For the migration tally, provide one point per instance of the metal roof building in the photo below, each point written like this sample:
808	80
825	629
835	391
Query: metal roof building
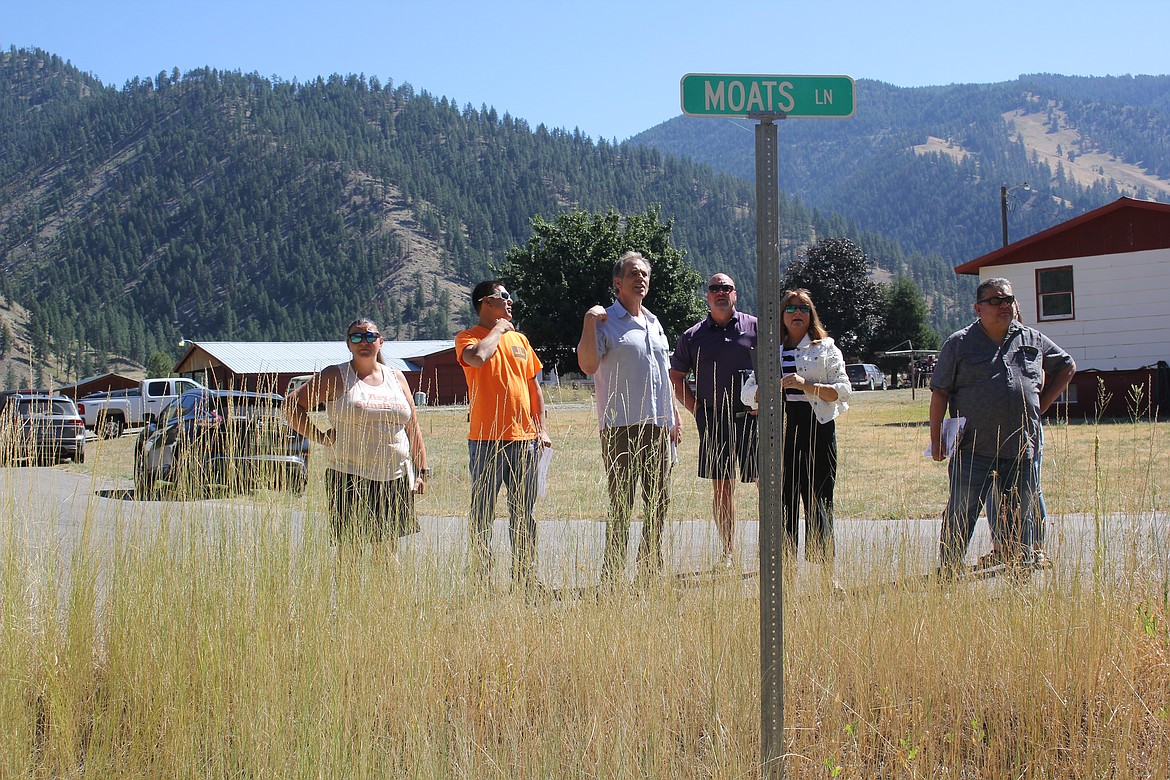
102	383
430	366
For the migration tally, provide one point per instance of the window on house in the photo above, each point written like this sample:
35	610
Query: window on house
1054	293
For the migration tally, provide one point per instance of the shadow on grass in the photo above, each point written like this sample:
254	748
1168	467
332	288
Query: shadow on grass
1076	422
119	494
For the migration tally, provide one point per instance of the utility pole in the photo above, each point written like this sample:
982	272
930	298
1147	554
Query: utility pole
1003	212
1003	193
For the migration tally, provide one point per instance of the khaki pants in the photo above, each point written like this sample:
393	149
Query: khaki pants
633	454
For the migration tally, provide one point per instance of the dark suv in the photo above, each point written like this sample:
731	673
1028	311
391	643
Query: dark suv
40	427
865	376
209	441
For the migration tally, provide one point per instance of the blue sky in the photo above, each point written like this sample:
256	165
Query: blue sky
610	68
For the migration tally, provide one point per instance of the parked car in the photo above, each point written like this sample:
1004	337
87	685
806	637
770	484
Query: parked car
40	427
208	441
108	414
297	382
865	376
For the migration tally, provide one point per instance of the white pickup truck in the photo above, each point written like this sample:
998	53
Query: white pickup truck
108	414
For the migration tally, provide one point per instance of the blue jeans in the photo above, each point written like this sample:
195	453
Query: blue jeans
1040	511
973	478
510	463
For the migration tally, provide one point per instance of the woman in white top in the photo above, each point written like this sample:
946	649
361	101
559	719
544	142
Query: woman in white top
375	459
815	392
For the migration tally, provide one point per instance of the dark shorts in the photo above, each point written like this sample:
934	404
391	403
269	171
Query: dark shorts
364	510
726	440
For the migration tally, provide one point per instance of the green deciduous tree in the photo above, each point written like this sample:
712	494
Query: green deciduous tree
836	272
567	266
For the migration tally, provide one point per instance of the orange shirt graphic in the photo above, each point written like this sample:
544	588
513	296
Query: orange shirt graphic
501	408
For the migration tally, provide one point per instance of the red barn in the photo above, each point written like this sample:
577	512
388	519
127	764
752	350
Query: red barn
430	366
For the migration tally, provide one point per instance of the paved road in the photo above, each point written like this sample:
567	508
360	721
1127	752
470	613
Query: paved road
48	510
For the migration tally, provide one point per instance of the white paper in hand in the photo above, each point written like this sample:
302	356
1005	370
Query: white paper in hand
542	470
952	432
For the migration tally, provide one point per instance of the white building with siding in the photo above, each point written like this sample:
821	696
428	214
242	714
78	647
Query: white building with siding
1098	286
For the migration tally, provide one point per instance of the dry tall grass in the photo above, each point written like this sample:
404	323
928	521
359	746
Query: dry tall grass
243	647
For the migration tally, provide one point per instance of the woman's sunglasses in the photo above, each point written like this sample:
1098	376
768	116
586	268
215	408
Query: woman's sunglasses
369	337
792	308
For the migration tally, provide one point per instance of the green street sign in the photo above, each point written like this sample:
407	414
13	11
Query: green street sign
715	94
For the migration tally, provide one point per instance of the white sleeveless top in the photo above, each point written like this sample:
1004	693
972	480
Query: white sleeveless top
370	424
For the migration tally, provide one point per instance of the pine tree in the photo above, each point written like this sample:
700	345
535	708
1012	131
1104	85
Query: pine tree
904	323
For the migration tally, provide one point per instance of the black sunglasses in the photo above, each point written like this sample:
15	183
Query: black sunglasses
998	300
721	288
369	337
795	307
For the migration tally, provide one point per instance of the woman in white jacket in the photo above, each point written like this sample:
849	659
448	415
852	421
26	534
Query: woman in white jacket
816	389
815	393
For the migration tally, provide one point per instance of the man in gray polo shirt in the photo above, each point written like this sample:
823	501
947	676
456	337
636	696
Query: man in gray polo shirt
626	351
993	373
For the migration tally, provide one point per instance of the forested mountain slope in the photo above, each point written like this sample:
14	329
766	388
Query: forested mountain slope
221	205
924	166
228	206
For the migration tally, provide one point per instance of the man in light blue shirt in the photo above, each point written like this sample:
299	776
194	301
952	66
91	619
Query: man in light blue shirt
628	354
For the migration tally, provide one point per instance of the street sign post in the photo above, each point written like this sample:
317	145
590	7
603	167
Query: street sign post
767	99
770	454
716	94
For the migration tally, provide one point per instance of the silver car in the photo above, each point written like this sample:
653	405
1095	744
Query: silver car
40	428
207	441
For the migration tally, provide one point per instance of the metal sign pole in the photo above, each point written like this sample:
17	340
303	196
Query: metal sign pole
766	99
771	451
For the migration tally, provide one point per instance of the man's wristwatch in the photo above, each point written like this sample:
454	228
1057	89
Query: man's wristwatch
424	473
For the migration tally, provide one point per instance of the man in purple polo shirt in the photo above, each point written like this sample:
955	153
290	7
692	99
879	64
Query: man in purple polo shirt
720	350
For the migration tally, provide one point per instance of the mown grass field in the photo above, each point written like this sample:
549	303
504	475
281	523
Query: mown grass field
882	471
250	651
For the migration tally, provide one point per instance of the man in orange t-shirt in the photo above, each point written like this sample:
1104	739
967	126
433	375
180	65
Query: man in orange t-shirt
508	430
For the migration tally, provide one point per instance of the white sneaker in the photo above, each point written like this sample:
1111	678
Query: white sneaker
727	563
